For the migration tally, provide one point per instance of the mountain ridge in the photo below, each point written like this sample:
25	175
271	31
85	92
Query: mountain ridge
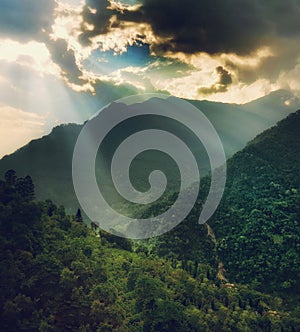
49	159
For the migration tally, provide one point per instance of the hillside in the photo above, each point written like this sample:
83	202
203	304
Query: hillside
58	275
48	160
241	272
254	236
258	224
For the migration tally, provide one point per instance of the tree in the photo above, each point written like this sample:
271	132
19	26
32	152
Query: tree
25	188
78	216
10	177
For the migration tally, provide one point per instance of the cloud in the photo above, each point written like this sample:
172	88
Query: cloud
225	77
97	19
29	23
205	26
17	128
290	79
196	48
254	40
26	20
225	80
270	63
65	58
191	26
110	25
33	55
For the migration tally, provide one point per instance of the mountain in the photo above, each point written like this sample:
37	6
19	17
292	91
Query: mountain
254	236
48	160
257	226
239	273
238	124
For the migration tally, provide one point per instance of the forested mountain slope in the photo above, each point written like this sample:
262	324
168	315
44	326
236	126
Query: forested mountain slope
58	275
254	236
257	225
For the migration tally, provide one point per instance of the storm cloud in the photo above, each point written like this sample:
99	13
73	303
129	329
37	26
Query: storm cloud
97	14
191	26
231	26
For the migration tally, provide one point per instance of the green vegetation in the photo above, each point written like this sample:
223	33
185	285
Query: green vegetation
239	273
258	224
59	275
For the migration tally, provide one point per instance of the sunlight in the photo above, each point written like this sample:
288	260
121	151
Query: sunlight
40	100
32	54
17	128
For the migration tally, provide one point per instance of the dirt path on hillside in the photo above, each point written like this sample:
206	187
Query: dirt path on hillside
221	269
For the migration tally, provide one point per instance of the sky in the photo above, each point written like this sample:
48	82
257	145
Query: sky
62	60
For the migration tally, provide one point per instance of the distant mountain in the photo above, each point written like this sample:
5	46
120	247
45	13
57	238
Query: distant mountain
238	124
48	160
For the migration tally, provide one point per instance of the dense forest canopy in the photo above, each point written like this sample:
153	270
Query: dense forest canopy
59	275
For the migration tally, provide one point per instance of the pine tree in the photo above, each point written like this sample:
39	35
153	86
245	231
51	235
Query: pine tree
78	216
10	177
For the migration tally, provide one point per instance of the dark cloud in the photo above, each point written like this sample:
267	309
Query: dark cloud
27	19
224	76
219	26
103	18
225	80
65	59
97	14
210	26
237	26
